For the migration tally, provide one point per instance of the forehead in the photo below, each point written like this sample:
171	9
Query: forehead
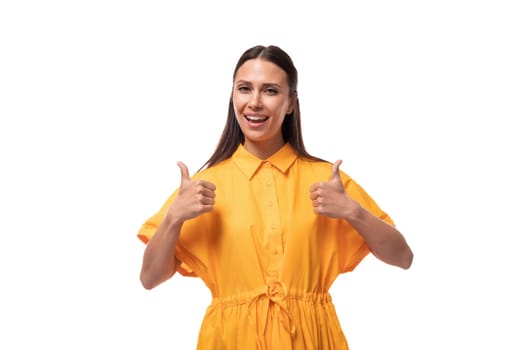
261	71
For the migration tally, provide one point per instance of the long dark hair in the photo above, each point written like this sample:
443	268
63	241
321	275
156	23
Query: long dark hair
232	135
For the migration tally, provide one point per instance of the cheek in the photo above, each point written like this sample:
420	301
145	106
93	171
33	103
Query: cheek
282	109
239	114
235	107
238	104
239	119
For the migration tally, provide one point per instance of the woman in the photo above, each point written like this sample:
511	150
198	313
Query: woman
265	225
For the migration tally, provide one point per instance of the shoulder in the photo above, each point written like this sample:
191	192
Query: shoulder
321	170
214	172
313	164
316	165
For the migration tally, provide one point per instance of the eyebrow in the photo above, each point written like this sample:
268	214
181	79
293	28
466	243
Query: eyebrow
264	84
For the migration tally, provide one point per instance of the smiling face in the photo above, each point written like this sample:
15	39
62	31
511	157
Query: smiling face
261	100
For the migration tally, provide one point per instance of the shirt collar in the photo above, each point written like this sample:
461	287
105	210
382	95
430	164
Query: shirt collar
249	164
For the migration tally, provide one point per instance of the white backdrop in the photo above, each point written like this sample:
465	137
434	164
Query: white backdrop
99	99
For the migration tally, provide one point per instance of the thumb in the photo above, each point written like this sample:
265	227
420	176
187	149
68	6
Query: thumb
184	173
335	176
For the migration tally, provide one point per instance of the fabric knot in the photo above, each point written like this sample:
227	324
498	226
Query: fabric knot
275	290
276	299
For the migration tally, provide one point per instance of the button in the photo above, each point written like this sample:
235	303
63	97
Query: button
270	204
274	227
275	251
273	273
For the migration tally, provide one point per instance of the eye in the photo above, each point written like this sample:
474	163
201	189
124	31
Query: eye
271	91
243	89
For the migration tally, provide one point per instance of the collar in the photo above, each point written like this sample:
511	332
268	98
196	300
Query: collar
249	164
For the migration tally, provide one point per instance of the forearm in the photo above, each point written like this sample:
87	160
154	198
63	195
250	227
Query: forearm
383	239
159	262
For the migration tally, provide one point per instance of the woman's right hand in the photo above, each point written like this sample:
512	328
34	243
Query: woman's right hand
195	197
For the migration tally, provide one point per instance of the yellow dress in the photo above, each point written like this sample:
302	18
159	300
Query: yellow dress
266	257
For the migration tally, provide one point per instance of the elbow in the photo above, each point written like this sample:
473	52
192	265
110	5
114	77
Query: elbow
146	284
151	279
408	257
146	281
400	259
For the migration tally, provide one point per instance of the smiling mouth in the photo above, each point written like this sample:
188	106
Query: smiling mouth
256	119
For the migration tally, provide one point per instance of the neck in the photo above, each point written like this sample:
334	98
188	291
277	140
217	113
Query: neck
263	150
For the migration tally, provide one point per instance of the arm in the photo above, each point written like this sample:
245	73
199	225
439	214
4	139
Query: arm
159	261
384	240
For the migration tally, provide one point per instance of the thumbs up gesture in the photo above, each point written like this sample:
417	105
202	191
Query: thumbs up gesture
195	196
329	197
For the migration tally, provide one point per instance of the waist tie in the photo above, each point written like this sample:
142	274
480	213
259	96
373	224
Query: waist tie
274	295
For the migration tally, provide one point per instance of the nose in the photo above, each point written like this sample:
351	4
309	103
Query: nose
255	101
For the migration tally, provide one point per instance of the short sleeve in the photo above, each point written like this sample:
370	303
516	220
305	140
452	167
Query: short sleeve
150	227
352	246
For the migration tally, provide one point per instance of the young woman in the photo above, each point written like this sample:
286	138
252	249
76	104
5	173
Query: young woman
267	226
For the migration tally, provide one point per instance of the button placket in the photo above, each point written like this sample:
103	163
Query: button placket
272	223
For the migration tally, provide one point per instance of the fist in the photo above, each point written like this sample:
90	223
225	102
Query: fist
329	197
195	196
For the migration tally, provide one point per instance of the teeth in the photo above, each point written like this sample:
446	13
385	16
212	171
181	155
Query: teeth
255	118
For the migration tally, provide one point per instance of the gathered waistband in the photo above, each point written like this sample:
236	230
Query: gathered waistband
272	296
273	290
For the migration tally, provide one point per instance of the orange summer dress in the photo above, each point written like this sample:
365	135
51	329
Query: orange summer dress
266	257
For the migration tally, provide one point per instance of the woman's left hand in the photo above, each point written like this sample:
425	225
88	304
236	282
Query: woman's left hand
329	197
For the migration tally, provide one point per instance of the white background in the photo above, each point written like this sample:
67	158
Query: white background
421	99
